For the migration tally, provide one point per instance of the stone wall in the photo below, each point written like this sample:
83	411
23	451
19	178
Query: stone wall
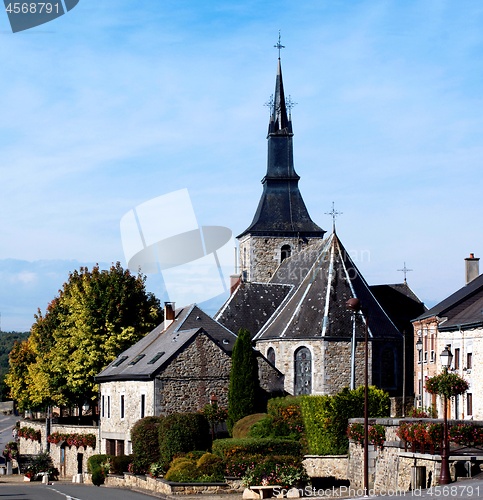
330	466
331	363
67	459
112	424
187	383
159	486
390	468
260	256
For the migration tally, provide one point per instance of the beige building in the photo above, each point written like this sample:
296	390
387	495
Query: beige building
457	322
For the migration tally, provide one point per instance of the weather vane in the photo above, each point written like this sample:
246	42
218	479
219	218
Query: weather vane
279	45
334	215
405	270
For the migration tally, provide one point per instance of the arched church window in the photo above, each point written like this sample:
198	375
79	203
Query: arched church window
285	252
271	355
303	371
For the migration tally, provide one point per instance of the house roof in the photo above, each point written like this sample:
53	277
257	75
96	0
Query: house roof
401	304
316	308
146	358
463	307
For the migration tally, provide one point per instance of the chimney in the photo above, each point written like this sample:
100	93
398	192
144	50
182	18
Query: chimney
472	266
169	313
235	280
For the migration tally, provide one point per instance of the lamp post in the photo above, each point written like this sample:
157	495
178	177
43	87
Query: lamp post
445	477
354	305
419	347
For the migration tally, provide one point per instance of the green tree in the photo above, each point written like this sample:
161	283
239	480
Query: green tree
97	315
244	388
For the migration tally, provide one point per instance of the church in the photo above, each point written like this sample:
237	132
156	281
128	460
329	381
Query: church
291	294
295	281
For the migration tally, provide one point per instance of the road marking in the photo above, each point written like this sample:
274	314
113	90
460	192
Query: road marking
67	497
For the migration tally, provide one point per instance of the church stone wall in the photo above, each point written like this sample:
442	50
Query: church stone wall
331	363
260	256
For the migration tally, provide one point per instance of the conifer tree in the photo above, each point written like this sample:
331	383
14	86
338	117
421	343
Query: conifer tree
244	388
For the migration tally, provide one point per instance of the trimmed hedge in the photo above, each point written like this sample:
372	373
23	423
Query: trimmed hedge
181	433
326	417
284	420
227	448
145	443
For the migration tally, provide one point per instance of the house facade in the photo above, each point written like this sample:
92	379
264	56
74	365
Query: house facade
456	322
178	367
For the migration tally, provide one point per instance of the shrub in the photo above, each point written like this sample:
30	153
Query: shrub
227	448
98	476
182	470
145	442
98	466
243	427
284	471
284	419
326	417
157	469
96	461
181	433
237	465
211	467
120	464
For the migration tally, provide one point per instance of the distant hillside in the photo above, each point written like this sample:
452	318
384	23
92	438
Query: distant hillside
7	340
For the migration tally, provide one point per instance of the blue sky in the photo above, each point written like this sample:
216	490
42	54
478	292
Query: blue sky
118	102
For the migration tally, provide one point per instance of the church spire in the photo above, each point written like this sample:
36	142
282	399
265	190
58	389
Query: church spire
279	120
281	211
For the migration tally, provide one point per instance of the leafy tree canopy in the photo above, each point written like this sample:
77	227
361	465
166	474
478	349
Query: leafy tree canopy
97	315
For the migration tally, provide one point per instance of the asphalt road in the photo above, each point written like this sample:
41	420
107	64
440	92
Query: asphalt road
38	491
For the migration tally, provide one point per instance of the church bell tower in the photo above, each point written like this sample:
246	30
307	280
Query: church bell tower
281	225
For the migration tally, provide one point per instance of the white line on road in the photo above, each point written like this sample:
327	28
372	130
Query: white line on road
67	497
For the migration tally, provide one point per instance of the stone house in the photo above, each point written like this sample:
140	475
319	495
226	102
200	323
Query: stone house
177	367
457	322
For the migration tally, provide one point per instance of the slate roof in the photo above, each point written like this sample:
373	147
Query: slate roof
152	353
316	307
400	303
252	305
281	210
462	308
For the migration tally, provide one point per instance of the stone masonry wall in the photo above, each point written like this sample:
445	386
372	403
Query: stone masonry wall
67	459
200	370
331	363
112	424
260	256
390	468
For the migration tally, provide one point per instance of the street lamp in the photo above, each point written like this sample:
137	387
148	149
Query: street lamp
419	347
445	477
354	305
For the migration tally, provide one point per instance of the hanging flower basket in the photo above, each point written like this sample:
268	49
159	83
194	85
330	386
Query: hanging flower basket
447	384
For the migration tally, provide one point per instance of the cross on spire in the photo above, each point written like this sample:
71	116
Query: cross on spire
279	45
334	215
405	270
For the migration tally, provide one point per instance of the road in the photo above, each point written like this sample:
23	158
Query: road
38	491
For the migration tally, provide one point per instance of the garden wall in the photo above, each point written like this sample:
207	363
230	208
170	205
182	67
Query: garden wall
390	467
68	459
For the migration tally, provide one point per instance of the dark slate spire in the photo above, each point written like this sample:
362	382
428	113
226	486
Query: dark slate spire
281	210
